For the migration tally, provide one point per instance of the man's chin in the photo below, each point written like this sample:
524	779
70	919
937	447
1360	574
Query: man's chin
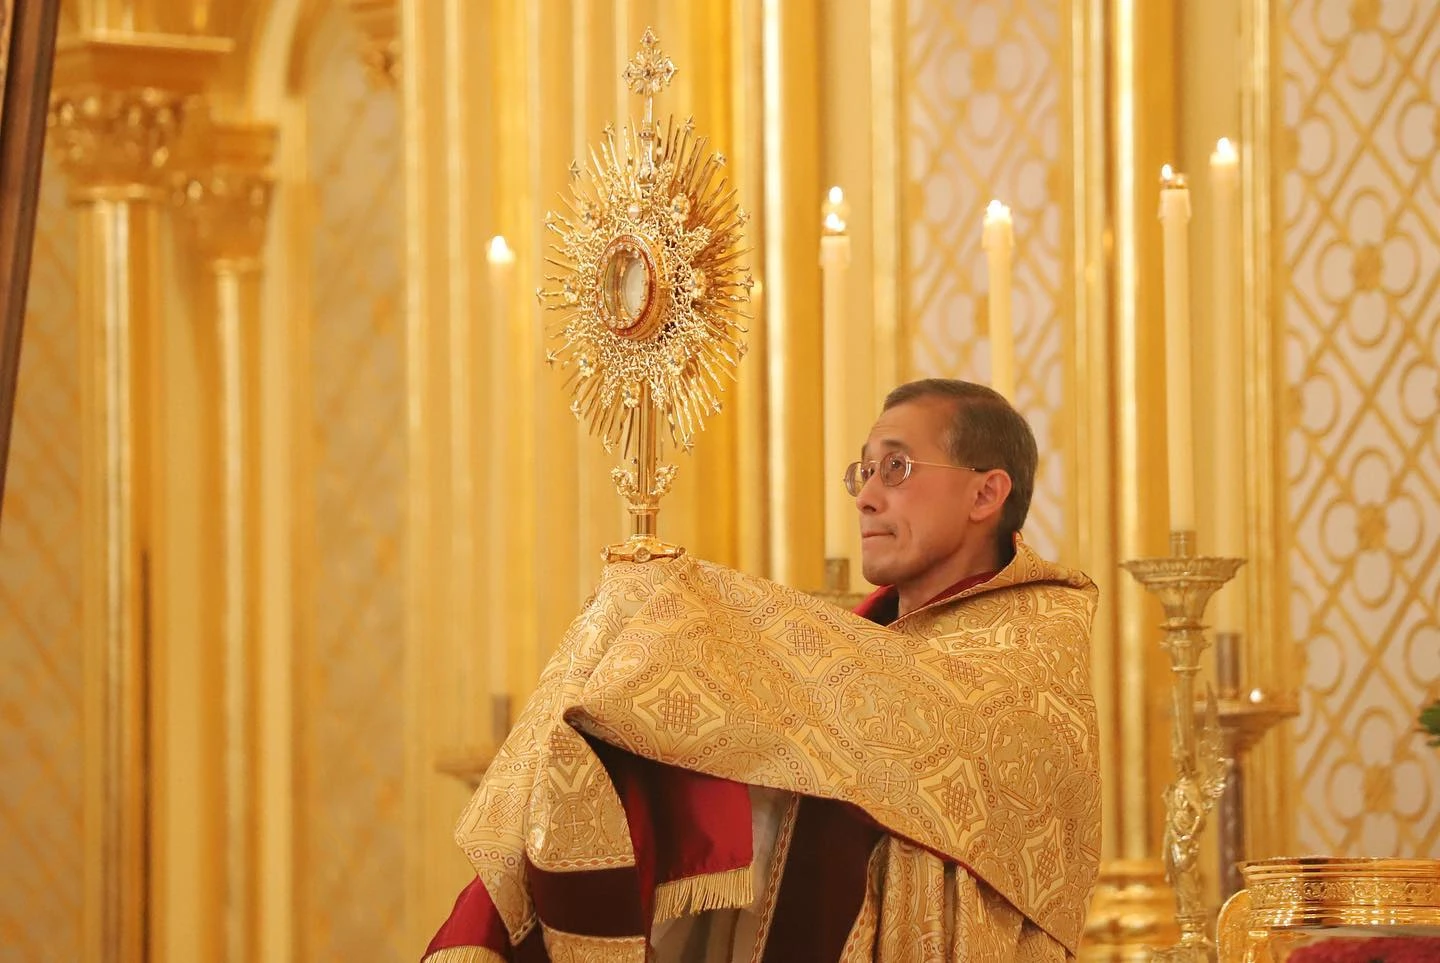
875	572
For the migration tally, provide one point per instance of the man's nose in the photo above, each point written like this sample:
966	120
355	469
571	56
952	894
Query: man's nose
872	493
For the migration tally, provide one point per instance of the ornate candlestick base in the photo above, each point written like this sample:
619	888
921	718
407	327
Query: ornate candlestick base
1244	718
1133	910
1184	583
837	585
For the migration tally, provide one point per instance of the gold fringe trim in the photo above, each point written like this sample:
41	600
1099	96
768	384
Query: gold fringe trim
731	889
464	954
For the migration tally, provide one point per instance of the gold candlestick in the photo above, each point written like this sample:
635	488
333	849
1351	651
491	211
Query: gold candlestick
1244	718
1184	583
836	589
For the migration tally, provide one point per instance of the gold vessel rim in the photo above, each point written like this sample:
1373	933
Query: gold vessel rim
1311	866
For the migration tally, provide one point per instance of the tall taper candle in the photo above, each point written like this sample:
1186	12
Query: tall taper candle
998	240
1228	377
502	387
1180	443
840	522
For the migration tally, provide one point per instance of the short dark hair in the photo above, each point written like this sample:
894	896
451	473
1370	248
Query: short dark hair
985	432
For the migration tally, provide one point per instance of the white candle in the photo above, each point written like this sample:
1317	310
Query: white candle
1228	356
998	240
1180	444
1227	375
840	524
500	347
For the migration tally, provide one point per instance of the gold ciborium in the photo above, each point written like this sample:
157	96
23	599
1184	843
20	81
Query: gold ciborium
1184	583
1330	908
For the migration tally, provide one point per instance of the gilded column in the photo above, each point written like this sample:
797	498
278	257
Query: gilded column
1126	125
225	193
791	271
117	111
447	704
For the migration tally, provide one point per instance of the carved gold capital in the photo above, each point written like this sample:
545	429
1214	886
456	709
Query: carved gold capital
379	23
119	106
224	186
116	138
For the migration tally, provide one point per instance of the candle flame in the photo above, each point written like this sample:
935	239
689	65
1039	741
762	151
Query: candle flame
1170	178
499	251
1225	150
995	210
833	211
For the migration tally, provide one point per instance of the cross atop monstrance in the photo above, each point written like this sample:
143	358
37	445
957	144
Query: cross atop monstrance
650	296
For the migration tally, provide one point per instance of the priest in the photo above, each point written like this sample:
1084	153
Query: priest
715	767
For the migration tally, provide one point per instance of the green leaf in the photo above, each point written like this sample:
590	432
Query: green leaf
1430	721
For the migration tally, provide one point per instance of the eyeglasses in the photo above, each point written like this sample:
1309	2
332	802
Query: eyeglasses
893	470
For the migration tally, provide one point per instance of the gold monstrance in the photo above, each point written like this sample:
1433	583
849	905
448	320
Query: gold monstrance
651	296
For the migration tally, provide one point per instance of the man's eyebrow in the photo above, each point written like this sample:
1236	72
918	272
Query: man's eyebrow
887	444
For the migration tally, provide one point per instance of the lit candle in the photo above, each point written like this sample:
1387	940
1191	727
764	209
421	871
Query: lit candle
501	348
840	524
1227	375
1228	356
1180	445
998	240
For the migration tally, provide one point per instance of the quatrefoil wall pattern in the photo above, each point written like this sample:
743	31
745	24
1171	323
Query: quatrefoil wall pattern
1359	206
983	87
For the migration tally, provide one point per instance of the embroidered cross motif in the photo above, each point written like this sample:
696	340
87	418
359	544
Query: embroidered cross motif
886	778
572	825
812	704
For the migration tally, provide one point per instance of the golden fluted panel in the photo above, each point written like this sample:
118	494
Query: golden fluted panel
350	636
985	116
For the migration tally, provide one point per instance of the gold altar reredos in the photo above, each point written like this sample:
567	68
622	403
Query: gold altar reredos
403	135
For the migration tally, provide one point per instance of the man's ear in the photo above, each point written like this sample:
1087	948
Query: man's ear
991	495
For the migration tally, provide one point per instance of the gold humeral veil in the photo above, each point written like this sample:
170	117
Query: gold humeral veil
937	779
965	731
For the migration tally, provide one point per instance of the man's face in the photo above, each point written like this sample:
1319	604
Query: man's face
908	531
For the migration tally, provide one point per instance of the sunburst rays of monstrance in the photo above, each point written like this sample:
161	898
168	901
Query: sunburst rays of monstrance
650	296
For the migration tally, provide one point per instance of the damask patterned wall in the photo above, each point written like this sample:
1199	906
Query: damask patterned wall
983	87
349	696
40	644
1360	214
